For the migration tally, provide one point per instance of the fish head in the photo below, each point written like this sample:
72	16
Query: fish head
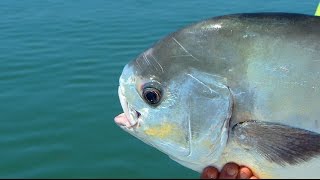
174	106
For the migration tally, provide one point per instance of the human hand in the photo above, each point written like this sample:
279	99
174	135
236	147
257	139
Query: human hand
229	171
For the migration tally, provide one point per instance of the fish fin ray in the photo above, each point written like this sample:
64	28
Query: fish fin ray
280	144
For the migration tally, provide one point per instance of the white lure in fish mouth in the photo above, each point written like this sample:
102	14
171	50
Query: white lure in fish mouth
130	117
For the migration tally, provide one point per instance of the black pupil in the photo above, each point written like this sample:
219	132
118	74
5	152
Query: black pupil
152	97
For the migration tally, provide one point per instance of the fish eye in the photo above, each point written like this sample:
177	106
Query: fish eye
151	95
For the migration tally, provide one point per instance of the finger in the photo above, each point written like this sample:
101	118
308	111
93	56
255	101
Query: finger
245	173
209	173
253	177
229	171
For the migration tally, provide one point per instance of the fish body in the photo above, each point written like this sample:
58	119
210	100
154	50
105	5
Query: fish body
241	88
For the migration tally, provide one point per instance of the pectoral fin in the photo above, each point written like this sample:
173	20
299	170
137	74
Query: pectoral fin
278	143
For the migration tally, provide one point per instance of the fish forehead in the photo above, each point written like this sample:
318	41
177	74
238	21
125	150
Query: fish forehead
219	44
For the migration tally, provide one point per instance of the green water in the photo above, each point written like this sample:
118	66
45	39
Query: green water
59	67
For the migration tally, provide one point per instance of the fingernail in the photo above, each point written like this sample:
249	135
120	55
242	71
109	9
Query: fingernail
209	173
243	175
212	174
231	171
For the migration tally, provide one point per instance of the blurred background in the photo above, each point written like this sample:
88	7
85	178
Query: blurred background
60	61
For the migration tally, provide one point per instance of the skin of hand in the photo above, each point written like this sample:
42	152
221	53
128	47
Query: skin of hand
229	171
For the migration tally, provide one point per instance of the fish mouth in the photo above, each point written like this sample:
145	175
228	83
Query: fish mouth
130	117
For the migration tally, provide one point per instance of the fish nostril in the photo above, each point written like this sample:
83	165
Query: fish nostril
138	114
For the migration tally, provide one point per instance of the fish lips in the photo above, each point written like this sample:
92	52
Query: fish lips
130	117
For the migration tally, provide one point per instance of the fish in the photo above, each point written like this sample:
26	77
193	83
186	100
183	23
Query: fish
241	88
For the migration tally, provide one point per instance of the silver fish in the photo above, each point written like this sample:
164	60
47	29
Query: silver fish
241	88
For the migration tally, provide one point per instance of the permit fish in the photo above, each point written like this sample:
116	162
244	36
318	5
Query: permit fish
241	88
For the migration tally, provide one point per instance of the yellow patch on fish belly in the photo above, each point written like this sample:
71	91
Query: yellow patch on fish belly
208	144
162	131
